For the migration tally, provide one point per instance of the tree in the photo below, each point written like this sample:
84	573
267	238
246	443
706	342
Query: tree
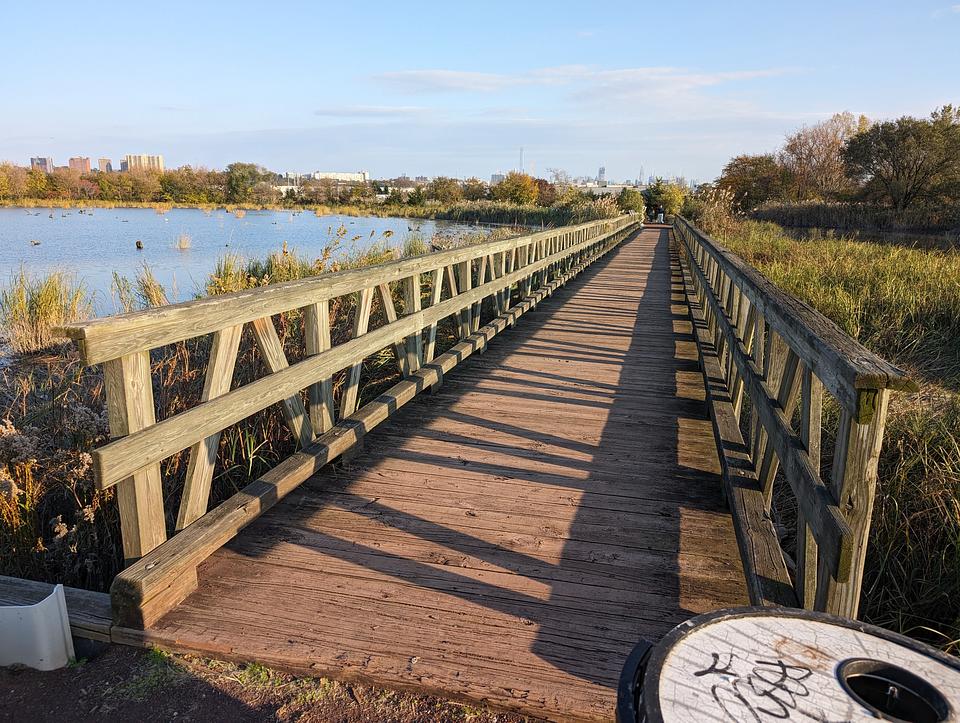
264	194
13	181
444	190
36	183
814	156
630	199
395	197
518	188
909	160
546	192
241	178
753	180
145	185
667	195
474	189
417	197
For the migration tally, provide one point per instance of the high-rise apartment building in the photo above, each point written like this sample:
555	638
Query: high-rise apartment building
143	162
42	164
79	163
105	165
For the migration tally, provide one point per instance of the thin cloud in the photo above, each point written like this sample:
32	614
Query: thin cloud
369	111
951	10
437	81
592	80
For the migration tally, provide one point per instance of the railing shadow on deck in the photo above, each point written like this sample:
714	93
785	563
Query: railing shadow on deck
642	599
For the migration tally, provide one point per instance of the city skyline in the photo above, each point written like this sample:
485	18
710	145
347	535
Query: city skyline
458	90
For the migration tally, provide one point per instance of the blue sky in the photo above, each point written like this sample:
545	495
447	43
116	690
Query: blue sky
457	88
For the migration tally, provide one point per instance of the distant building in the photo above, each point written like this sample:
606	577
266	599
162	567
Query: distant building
142	162
105	165
496	178
79	163
651	180
607	189
124	166
421	179
602	176
42	164
358	177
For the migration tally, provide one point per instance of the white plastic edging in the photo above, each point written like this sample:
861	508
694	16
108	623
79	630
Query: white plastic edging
37	635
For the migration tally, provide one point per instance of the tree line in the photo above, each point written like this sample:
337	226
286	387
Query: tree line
247	183
904	165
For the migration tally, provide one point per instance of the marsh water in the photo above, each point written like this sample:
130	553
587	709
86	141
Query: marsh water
99	241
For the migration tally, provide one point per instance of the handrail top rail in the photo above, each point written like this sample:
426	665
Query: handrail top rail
111	337
822	345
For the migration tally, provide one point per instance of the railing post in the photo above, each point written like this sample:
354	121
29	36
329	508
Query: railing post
316	320
129	395
854	481
811	407
411	305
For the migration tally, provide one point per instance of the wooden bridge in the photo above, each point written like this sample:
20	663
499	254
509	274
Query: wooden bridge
603	471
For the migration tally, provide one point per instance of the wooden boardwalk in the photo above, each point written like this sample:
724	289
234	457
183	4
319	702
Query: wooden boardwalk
508	538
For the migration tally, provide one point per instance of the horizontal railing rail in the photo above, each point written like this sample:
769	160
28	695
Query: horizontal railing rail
758	342
515	273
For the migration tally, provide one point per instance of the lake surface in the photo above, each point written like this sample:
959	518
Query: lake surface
95	243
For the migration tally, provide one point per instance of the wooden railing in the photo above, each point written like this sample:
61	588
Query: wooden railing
759	343
516	273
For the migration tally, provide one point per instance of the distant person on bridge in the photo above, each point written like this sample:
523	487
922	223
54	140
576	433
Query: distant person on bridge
659	214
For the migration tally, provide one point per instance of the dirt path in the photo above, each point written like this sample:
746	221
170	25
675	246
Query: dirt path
127	684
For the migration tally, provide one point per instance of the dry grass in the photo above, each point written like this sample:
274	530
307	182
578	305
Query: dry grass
31	307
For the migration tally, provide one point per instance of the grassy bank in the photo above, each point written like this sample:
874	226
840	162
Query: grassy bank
904	304
54	525
862	217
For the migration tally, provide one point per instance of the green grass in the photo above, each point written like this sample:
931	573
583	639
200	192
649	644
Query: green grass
904	304
157	673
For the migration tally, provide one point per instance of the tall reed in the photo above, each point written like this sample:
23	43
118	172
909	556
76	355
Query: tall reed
31	307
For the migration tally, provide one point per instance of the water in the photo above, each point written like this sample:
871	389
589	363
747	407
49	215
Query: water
95	243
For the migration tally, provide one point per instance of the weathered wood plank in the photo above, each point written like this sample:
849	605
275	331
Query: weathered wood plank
271	348
112	463
129	393
818	503
811	410
112	337
854	481
521	593
843	365
766	574
412	303
147	590
316	321
390	310
88	612
361	321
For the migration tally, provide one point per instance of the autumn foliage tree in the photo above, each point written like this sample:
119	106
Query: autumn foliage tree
518	188
444	190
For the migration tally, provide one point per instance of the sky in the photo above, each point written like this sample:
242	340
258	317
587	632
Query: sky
457	88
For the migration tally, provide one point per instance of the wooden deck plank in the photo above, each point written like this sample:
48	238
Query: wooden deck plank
508	539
